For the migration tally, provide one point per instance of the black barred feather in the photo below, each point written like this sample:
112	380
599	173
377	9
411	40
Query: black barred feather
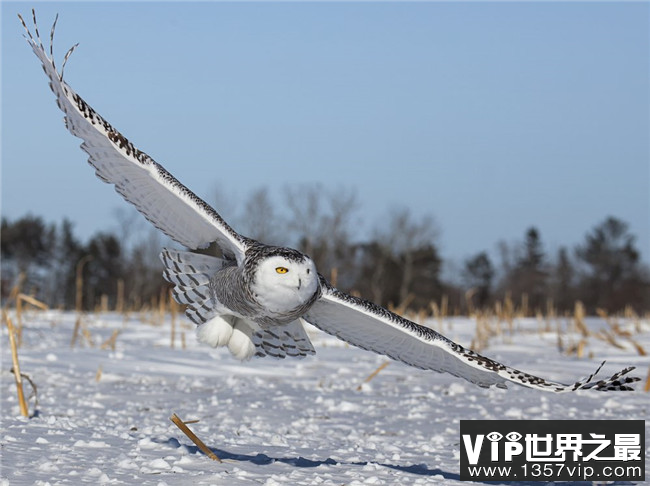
288	340
191	274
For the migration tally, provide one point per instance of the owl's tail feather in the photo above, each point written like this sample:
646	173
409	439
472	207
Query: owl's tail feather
190	273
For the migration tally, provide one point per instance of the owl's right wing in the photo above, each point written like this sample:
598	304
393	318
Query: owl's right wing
157	194
371	327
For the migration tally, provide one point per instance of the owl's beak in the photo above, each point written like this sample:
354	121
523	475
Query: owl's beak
299	283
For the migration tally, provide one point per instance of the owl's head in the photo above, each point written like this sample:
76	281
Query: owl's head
284	280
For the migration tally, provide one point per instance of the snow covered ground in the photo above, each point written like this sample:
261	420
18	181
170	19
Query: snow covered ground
273	422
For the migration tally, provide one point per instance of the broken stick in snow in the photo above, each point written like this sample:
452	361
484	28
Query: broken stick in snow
16	367
199	443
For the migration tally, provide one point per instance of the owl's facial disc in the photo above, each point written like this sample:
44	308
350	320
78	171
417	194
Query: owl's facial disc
281	284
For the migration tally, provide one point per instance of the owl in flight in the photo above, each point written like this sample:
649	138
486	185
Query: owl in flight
255	298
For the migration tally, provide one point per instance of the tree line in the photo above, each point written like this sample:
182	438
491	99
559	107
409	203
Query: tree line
398	264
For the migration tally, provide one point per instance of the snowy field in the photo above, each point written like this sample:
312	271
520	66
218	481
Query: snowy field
273	422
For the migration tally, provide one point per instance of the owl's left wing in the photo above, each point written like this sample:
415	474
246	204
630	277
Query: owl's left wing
371	327
157	194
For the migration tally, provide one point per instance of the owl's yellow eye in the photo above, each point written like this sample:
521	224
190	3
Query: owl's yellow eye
281	270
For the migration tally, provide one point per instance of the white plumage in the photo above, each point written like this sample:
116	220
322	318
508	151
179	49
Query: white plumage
256	297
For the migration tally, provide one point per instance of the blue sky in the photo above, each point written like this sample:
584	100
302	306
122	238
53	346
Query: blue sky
491	117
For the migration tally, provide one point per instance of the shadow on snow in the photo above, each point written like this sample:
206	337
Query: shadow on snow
261	459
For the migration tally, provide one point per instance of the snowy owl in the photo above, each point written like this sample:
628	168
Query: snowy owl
256	298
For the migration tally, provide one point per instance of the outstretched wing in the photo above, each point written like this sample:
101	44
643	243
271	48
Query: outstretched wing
368	326
158	195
